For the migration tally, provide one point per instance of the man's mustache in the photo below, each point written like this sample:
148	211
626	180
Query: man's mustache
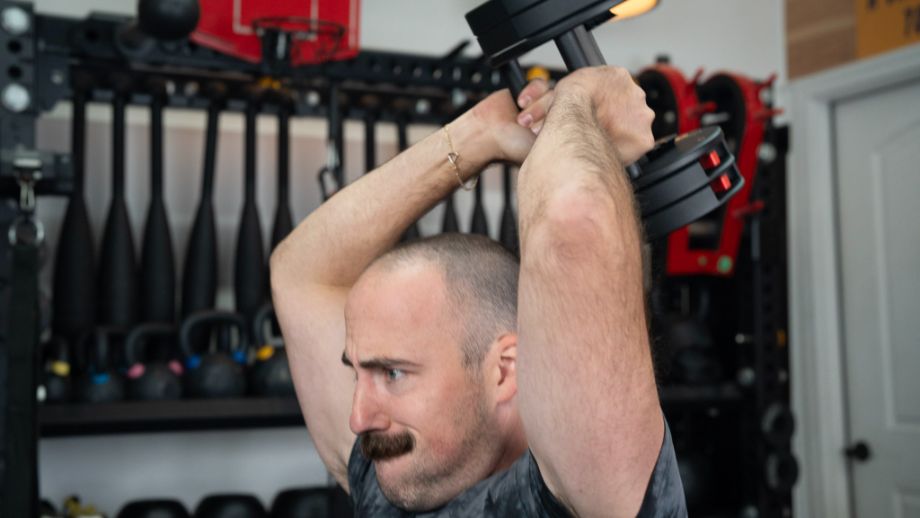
379	446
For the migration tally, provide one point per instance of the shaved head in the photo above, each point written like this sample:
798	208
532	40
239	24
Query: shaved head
421	325
481	281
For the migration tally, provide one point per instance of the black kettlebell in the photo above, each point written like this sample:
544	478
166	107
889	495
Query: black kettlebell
230	506
56	376
270	375
154	508
312	502
691	343
214	374
100	383
151	378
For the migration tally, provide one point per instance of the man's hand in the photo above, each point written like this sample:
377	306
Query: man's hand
511	132
618	104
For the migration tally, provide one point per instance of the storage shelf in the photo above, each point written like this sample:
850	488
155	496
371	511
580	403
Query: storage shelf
227	414
700	395
167	416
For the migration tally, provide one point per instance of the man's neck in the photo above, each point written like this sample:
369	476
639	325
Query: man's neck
514	447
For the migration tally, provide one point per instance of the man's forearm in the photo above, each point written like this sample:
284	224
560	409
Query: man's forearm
345	234
587	391
574	160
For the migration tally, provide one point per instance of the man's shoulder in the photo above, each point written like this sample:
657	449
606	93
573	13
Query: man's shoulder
664	495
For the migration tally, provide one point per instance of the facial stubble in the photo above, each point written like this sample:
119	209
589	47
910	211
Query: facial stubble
427	485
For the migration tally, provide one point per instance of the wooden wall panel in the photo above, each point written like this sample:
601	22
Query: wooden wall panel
820	34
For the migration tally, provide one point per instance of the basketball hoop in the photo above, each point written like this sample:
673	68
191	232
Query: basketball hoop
297	39
280	33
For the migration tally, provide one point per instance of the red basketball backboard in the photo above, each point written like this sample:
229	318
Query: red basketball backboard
228	26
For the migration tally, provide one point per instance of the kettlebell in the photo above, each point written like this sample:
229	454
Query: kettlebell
692	345
270	376
151	379
311	502
154	508
100	383
230	506
56	376
214	374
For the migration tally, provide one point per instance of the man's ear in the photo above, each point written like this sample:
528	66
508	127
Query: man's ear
505	350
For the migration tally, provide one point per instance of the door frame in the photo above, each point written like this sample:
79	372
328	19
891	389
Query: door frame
815	313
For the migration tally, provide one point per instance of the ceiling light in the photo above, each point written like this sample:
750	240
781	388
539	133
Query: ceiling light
630	8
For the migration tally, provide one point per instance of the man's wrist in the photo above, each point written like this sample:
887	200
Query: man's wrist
471	141
572	92
485	132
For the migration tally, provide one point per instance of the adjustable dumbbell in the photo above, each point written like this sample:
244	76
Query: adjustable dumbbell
683	178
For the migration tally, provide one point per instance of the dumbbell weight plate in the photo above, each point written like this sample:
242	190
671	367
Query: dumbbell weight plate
777	424
673	169
781	471
689	180
506	29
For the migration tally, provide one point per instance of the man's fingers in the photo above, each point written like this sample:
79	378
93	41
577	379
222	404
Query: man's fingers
532	117
532	92
537	127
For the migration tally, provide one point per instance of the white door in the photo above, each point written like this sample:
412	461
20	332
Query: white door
878	208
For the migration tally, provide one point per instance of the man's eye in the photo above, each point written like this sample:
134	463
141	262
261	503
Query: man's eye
394	374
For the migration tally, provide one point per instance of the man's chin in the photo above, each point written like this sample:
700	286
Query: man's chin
393	476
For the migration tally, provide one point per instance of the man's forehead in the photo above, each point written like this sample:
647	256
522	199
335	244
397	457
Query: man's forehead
389	307
413	289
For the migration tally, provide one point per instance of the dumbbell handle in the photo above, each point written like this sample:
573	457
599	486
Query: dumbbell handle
579	49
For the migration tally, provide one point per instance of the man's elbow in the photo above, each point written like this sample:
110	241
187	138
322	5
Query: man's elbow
280	266
573	224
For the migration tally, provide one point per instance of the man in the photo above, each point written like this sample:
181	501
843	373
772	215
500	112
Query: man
470	391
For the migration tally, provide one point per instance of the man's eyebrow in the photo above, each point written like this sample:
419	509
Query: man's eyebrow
386	363
380	363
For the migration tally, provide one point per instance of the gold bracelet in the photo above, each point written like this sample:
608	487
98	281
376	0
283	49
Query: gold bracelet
454	159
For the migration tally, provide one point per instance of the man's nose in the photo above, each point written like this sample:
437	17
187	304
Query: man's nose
366	412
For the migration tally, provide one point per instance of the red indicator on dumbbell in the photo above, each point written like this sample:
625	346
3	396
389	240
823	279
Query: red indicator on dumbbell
722	184
711	160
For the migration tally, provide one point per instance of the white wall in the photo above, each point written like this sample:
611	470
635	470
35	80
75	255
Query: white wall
739	35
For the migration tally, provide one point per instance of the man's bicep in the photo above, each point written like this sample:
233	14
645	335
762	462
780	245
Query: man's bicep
313	324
